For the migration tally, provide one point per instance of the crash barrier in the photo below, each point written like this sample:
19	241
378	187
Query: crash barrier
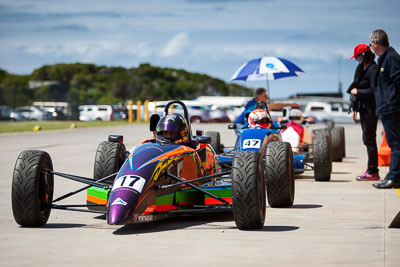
138	110
384	152
396	220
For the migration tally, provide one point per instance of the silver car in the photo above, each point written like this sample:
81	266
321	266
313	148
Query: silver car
34	113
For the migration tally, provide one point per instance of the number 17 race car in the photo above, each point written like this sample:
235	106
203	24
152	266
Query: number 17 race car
170	174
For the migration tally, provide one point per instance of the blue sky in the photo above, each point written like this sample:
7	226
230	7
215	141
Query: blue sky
213	37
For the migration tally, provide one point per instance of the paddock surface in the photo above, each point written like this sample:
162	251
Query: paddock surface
341	222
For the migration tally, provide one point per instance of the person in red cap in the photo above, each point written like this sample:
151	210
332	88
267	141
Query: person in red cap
363	102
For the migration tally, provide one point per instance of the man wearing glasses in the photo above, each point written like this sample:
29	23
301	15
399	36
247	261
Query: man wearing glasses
387	95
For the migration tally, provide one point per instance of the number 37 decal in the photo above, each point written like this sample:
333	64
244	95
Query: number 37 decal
130	181
251	143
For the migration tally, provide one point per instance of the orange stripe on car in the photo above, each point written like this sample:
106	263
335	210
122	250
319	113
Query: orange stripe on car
96	200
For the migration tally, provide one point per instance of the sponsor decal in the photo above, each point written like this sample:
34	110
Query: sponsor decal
119	201
270	66
146	218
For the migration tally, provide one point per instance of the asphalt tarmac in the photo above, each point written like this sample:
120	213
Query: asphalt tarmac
341	222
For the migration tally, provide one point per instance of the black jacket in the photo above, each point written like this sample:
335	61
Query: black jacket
387	90
364	81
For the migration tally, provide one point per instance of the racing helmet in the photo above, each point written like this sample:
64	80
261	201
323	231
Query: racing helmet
259	117
296	115
172	129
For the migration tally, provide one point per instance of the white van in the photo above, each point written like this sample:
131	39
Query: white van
95	113
333	111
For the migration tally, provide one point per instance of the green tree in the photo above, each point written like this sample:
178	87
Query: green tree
15	90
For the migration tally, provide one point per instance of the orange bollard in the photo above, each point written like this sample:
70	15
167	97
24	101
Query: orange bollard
384	152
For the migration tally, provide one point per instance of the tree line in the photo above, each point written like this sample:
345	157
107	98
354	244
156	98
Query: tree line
90	84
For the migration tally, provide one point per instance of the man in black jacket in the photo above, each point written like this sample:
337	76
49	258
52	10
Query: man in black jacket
387	95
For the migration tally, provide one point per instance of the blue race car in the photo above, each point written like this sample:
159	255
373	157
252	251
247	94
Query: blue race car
263	136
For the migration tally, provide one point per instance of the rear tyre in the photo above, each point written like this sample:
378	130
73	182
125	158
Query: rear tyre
248	190
279	167
343	143
322	157
32	188
338	143
330	124
215	141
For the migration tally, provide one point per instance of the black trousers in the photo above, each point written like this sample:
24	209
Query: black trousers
369	122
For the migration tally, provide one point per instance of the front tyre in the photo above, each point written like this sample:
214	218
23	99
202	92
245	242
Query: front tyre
322	157
109	158
248	190
32	188
279	168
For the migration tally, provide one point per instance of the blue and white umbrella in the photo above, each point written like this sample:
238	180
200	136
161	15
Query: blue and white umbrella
266	68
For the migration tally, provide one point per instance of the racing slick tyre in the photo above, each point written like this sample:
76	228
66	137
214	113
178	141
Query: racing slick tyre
32	188
338	143
343	143
248	190
279	168
329	124
330	151
215	141
109	158
322	157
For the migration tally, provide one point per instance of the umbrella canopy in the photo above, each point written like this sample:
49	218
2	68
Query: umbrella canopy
266	68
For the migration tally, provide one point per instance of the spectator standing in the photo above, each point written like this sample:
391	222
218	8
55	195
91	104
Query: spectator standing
363	102
260	94
387	94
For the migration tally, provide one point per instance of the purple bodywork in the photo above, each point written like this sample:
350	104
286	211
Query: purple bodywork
136	177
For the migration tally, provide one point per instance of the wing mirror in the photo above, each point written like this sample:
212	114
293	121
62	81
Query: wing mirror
199	132
116	138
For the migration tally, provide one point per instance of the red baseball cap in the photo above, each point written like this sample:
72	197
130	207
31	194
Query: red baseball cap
359	49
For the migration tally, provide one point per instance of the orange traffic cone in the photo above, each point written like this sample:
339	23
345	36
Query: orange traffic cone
384	152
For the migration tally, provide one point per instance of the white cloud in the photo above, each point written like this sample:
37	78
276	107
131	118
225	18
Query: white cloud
176	44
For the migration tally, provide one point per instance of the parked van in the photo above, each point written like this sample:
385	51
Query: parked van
329	111
95	113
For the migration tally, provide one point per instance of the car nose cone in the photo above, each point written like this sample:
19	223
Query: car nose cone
121	206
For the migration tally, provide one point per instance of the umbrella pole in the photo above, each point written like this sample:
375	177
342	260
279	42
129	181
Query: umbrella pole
269	97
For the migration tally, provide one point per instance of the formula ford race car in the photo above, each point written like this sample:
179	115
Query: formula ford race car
314	150
173	173
263	136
